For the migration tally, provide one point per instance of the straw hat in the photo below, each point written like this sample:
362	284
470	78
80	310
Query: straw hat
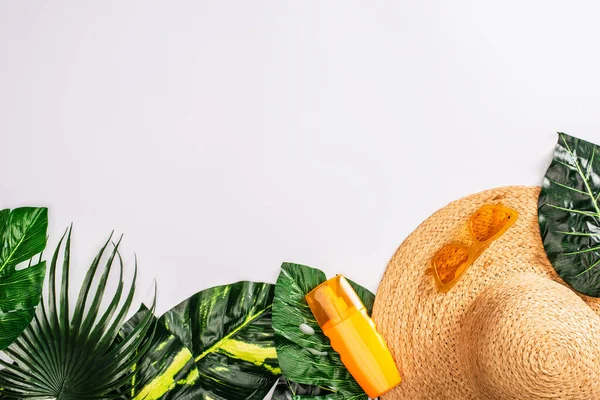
509	329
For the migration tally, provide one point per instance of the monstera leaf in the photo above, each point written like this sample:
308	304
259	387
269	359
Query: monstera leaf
217	345
23	236
569	213
309	359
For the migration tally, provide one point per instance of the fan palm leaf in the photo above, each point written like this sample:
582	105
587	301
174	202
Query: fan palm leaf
67	357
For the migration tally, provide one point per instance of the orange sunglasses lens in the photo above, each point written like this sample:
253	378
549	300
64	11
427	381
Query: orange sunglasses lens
488	221
486	225
448	260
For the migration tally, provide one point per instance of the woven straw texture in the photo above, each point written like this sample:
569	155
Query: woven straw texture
509	329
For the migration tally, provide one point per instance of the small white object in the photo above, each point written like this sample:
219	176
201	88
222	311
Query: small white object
307	330
316	352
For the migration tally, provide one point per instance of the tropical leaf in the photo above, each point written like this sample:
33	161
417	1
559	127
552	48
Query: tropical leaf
228	332
569	213
167	370
22	237
287	390
309	359
66	357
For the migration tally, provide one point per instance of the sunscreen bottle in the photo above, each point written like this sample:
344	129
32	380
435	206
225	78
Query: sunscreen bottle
352	333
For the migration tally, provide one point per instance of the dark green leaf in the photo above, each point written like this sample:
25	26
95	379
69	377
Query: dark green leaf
22	237
309	359
69	358
228	331
287	390
167	370
569	213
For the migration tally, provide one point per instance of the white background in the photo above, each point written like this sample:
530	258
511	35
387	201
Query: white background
226	137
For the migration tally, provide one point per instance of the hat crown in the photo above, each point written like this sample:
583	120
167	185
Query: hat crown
531	337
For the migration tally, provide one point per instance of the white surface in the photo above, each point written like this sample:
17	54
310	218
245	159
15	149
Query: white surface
226	137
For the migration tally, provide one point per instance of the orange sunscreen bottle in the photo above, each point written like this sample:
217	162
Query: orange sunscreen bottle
344	320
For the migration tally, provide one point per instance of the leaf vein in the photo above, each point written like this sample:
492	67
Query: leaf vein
579	170
218	344
23	236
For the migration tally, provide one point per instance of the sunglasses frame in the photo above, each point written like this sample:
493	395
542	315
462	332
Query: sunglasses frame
475	250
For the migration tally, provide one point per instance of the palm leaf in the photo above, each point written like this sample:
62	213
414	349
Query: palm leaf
22	237
66	357
310	359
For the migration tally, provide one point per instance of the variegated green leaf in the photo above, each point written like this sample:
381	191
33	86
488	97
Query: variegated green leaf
167	371
228	332
310	359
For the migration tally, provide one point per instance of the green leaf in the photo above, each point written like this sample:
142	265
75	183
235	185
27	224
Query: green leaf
287	390
569	213
68	357
167	370
309	359
22	237
229	334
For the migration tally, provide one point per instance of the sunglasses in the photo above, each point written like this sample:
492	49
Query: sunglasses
486	225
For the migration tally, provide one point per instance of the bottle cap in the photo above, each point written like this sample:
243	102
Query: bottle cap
333	301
